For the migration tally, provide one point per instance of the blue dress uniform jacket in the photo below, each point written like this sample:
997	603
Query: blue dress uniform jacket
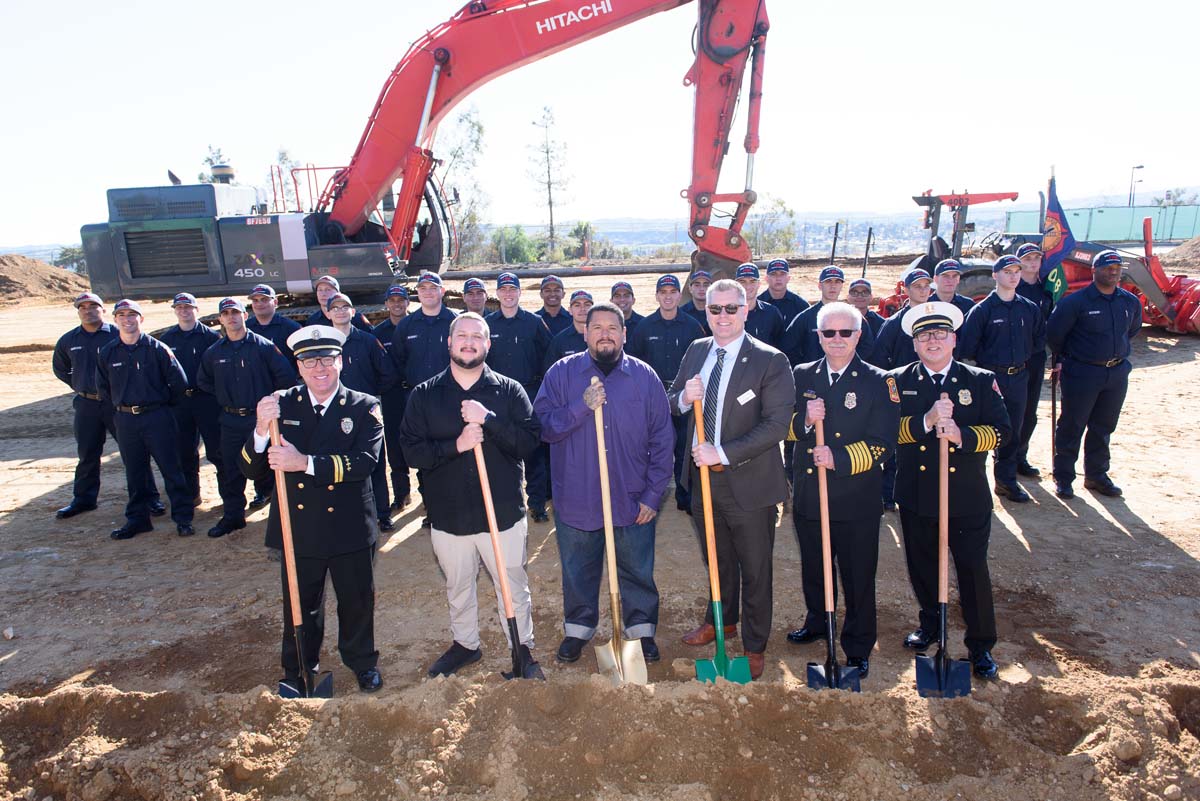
519	345
802	344
240	373
332	511
789	305
1094	328
981	417
557	323
568	343
143	374
661	343
862	416
420	346
1001	334
766	324
697	314
74	360
277	330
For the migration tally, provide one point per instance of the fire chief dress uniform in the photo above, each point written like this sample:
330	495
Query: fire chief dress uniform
862	413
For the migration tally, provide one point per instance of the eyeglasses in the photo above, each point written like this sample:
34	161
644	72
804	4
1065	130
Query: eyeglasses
340	309
844	333
860	293
324	361
937	334
728	308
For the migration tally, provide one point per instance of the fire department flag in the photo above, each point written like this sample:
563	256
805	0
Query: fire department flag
1057	243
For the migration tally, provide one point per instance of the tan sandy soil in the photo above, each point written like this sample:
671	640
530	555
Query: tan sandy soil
146	668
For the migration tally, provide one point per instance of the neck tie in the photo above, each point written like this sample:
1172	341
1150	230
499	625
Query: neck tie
319	409
710	397
937	380
833	378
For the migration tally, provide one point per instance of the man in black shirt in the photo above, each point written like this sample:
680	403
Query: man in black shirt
465	405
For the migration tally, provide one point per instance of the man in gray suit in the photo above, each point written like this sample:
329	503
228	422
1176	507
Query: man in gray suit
747	393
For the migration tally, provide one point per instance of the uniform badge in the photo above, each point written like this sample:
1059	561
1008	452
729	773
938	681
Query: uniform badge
964	397
851	400
347	425
893	392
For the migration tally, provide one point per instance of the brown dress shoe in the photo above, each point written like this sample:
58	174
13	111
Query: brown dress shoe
705	633
757	662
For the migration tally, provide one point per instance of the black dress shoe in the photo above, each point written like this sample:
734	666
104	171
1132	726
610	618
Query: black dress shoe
131	530
259	502
1063	489
400	503
920	640
369	680
385	524
455	658
157	509
862	663
805	634
1028	470
984	666
73	508
225	526
650	650
570	649
1102	485
185	530
539	515
1013	492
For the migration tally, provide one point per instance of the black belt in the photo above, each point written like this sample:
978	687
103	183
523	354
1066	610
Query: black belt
1012	370
240	412
89	395
1109	363
149	407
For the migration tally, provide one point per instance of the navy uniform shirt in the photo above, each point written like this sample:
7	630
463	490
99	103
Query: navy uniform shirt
277	330
1092	327
661	343
1038	294
963	303
74	361
875	321
241	373
557	323
189	347
519	345
1000	333
765	323
567	343
142	374
789	305
421	345
893	348
699	315
318	318
634	320
802	343
384	332
366	366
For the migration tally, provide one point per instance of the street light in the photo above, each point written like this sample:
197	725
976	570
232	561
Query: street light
1133	193
1132	170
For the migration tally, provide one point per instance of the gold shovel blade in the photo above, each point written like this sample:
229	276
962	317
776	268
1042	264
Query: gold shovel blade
622	661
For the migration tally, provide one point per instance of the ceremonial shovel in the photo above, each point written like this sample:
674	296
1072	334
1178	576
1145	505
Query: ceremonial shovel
831	675
939	676
1053	414
311	684
738	669
619	659
525	668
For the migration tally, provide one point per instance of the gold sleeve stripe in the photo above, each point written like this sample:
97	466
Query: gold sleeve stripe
860	457
986	438
906	437
338	469
791	437
246	455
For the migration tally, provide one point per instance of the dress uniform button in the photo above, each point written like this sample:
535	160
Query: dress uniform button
952	449
951	469
330	509
922	447
810	450
300	486
330	488
301	506
922	468
809	471
837	434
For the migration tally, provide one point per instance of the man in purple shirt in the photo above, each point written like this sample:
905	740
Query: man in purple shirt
639	439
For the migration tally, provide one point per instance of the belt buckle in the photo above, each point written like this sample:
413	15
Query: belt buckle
136	409
1112	362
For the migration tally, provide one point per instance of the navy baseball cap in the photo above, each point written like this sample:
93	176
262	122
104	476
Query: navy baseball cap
551	279
266	290
88	297
185	299
859	282
581	294
1028	248
508	279
705	274
622	285
472	284
229	303
666	280
947	266
916	275
338	297
328	279
778	266
128	305
429	278
831	273
397	291
747	270
1007	260
1106	258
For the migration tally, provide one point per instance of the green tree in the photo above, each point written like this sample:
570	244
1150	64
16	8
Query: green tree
548	168
463	148
583	236
72	258
1178	196
511	245
215	156
773	229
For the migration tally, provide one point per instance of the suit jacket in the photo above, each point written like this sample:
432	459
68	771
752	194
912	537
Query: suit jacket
862	415
981	417
752	430
333	511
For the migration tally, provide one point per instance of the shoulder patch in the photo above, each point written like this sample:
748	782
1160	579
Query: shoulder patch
377	413
893	392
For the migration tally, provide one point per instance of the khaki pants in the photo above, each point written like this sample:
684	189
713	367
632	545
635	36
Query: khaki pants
459	558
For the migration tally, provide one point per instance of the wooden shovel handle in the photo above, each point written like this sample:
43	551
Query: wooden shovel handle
489	508
943	520
610	547
823	499
710	541
285	528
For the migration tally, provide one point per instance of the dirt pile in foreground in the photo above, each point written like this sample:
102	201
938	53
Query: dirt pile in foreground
25	280
1086	737
1186	255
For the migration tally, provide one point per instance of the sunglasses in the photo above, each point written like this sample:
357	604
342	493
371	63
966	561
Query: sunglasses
324	361
860	293
728	308
844	333
939	334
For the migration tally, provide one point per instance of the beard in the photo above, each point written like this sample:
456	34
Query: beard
608	357
468	364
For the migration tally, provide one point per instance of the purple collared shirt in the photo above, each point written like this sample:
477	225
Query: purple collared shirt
638	435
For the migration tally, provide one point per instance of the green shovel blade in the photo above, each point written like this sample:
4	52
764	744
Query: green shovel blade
736	670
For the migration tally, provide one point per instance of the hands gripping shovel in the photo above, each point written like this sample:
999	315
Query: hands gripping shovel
738	669
939	676
831	675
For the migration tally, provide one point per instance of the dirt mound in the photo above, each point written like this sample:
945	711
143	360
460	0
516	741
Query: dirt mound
23	280
1186	255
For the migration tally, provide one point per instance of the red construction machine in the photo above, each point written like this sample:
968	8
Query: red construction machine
363	224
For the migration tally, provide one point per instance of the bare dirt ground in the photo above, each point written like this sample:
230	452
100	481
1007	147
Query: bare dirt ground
146	668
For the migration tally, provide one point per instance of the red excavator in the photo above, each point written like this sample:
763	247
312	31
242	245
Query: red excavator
363	225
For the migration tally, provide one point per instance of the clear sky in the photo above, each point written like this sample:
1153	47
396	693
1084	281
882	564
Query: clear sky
866	103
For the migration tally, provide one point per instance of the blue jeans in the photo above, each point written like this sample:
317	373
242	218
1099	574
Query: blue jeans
582	557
